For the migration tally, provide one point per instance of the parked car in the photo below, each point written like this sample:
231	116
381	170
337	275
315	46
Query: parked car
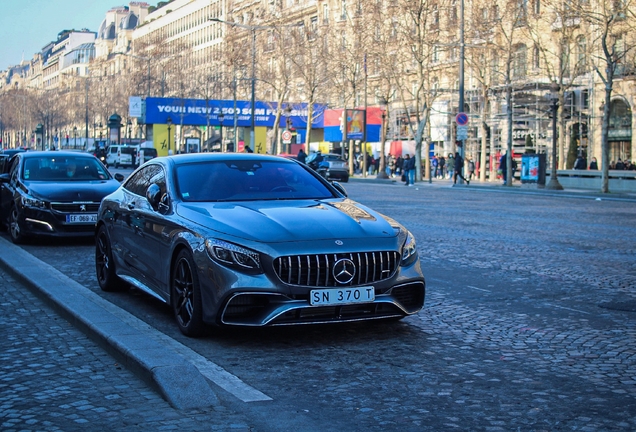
53	194
122	156
233	239
330	165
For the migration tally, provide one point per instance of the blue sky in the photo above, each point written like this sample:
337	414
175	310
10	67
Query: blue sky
26	26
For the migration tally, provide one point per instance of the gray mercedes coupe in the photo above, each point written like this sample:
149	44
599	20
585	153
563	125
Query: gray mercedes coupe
232	239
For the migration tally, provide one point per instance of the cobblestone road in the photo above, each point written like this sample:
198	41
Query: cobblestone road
528	325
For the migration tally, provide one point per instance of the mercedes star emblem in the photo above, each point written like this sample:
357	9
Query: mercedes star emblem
344	270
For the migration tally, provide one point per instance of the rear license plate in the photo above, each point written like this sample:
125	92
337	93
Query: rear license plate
341	296
81	218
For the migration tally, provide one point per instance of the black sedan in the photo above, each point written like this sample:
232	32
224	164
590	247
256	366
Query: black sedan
52	194
253	240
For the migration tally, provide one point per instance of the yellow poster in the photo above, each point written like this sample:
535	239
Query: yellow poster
160	139
260	140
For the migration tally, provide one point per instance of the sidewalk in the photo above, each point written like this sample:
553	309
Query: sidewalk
516	187
73	361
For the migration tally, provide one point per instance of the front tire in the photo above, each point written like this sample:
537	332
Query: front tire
15	231
105	265
186	296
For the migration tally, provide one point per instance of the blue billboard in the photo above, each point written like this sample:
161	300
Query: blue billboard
199	112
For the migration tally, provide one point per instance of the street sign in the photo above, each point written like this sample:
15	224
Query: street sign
287	136
461	119
462	133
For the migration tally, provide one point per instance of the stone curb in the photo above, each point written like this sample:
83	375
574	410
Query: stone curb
180	383
497	187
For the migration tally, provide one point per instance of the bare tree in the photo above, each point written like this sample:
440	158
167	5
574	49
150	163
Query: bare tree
612	25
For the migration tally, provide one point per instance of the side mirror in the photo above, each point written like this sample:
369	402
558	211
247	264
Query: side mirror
153	195
119	177
340	188
159	202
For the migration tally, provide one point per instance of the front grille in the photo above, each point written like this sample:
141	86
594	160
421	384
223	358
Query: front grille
317	270
74	208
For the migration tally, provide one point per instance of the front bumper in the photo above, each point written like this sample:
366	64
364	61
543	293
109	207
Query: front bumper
53	224
267	309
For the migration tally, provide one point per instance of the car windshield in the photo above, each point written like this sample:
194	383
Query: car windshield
247	180
63	168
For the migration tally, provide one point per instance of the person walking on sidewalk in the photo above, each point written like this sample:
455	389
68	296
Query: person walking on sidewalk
408	167
459	165
450	163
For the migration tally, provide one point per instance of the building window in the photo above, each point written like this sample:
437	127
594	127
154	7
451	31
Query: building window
581	55
519	69
536	57
565	57
435	56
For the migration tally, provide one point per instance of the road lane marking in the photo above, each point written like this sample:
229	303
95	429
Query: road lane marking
478	289
570	309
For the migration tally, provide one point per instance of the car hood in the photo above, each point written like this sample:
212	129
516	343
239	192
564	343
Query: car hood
72	191
285	221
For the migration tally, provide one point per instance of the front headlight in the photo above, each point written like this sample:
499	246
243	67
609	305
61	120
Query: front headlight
32	202
409	250
233	255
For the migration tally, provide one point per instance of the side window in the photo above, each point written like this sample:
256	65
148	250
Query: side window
14	163
138	183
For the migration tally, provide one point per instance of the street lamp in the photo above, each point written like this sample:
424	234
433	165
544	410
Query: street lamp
287	113
253	29
128	128
221	116
382	168
253	78
169	123
554	184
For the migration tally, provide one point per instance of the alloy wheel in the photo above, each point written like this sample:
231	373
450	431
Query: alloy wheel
184	290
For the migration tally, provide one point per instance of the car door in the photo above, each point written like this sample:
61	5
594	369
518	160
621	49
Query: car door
8	189
148	239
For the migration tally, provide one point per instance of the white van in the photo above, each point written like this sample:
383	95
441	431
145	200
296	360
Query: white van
122	156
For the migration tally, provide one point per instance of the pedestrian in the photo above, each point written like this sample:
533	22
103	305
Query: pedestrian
408	167
442	164
247	149
502	167
398	165
593	164
619	165
580	163
302	156
435	165
471	169
450	162
459	165
370	164
392	161
387	165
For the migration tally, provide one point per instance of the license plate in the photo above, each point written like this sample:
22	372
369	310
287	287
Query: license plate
336	296
81	218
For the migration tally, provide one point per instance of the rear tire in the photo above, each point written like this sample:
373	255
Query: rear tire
105	265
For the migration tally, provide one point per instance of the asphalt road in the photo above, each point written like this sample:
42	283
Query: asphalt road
528	324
